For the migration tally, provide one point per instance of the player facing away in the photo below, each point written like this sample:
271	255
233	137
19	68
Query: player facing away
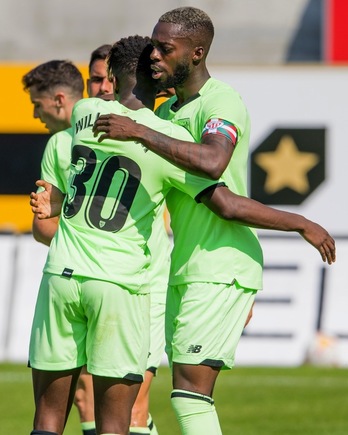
61	80
212	261
100	297
114	192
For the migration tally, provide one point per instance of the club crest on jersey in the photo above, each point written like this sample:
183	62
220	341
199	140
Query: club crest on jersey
220	126
213	124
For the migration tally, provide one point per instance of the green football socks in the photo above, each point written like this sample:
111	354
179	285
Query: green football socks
195	413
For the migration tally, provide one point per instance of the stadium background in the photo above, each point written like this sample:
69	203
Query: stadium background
289	61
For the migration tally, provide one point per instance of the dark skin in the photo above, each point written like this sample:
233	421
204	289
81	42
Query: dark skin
208	159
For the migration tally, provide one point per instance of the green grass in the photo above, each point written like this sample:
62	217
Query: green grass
249	401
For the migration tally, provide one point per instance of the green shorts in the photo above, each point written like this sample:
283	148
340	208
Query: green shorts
204	322
80	321
157	309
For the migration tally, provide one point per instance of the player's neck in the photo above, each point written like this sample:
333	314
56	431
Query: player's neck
192	85
138	98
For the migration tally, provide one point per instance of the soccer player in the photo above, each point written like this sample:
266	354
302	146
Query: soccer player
54	88
51	78
216	266
98	83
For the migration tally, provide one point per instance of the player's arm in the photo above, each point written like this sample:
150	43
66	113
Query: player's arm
208	159
47	203
44	229
246	211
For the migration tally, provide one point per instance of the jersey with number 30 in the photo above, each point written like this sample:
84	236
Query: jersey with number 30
115	192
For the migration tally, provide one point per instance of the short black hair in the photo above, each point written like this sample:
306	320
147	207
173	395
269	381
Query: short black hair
55	73
192	22
130	56
100	53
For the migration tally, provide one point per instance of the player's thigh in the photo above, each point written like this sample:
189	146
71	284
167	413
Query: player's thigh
205	322
118	334
114	399
59	326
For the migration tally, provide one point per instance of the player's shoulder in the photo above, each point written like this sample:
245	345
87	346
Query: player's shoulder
215	86
176	131
61	135
148	118
95	103
218	93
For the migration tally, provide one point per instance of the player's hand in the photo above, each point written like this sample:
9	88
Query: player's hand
47	203
114	127
320	239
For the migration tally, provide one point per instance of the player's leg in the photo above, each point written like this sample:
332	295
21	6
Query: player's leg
140	410
53	395
204	323
114	399
84	402
117	350
56	351
141	420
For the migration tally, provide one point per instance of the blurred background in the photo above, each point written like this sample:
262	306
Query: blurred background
289	62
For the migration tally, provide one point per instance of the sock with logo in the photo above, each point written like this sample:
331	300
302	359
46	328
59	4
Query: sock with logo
88	428
195	413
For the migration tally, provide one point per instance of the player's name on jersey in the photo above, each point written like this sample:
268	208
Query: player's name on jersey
86	122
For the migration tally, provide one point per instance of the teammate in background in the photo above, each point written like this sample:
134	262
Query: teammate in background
54	88
98	83
216	266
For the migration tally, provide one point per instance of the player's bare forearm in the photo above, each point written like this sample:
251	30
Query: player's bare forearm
208	159
252	213
47	203
44	229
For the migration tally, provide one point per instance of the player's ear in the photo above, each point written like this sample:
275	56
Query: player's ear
59	99
198	54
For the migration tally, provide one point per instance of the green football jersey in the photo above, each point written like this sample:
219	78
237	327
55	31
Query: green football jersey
206	248
55	169
115	192
55	164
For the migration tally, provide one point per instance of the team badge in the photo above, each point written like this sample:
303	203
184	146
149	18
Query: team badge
220	126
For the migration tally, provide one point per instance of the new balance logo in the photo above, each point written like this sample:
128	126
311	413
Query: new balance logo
194	348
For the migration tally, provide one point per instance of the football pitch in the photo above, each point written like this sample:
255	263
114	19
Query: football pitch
250	401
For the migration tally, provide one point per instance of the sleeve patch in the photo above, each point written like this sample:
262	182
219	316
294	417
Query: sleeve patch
220	126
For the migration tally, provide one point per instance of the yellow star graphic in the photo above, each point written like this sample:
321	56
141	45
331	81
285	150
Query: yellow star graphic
287	167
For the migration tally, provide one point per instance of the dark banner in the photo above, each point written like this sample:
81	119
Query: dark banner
20	162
